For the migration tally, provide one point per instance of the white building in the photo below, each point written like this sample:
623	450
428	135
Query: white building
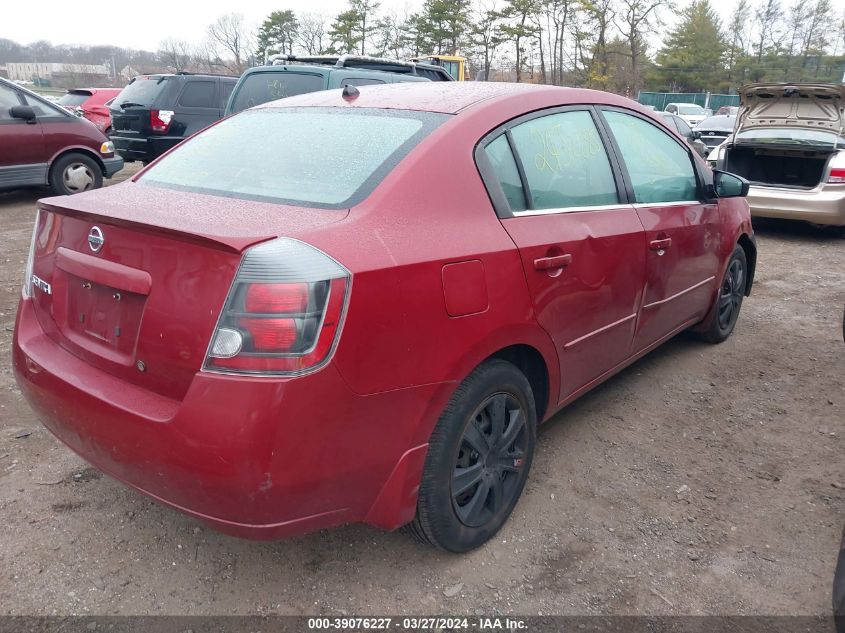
31	71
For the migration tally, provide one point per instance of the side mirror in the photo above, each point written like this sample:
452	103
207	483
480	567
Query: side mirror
729	185
22	112
696	135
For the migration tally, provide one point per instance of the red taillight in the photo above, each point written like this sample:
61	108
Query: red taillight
283	313
275	298
270	335
160	121
837	175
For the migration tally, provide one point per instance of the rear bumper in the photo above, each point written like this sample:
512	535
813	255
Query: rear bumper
824	205
143	148
112	166
256	458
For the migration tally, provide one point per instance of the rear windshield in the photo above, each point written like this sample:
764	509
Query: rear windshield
259	88
141	91
690	109
73	99
329	158
779	136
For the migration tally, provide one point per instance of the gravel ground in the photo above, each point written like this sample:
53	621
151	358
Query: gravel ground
701	480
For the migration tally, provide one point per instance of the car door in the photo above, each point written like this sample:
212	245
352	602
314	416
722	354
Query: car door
581	246
22	159
682	233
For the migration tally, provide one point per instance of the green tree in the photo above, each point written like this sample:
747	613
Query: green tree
486	37
443	25
692	59
277	33
351	29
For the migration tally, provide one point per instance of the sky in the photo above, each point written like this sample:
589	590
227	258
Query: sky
143	27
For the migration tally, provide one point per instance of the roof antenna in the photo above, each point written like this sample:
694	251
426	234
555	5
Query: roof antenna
350	92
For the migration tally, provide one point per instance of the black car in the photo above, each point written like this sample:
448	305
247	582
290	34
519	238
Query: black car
155	112
715	129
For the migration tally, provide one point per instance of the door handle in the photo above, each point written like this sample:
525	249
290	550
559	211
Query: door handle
553	263
659	245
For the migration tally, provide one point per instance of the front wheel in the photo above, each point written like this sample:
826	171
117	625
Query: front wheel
721	321
478	459
74	173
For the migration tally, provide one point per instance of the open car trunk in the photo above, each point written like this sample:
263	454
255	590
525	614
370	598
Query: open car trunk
767	166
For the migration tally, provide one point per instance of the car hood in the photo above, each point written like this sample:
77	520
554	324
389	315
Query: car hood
803	106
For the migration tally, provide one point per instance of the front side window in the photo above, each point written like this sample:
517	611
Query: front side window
44	108
8	99
319	157
565	162
659	167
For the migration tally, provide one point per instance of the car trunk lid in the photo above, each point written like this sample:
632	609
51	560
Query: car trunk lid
139	296
804	106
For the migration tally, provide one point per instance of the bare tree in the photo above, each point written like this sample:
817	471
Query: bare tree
311	36
638	19
175	54
229	35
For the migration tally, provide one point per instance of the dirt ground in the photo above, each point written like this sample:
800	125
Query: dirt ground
701	480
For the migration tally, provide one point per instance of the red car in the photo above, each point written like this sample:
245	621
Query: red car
43	144
91	103
357	306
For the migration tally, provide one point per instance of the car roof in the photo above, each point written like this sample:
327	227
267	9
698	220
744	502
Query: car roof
451	97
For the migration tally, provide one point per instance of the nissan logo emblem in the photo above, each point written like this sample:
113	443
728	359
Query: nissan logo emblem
95	239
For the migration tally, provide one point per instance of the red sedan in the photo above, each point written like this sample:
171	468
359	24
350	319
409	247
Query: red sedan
358	307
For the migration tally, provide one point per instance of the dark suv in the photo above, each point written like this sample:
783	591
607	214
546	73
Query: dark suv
289	75
155	112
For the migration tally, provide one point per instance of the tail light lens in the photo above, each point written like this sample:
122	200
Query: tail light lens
160	121
283	314
837	175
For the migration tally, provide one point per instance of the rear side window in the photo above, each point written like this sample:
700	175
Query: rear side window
73	99
260	88
659	167
142	91
360	81
319	157
226	88
504	166
565	162
198	94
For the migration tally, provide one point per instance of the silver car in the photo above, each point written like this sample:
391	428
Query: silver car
789	144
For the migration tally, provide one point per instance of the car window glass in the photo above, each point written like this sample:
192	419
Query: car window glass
73	99
501	158
359	81
226	88
8	99
341	155
198	94
142	90
262	87
44	109
659	167
683	127
564	161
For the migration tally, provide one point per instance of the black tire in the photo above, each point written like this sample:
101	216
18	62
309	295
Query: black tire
721	320
74	173
492	482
